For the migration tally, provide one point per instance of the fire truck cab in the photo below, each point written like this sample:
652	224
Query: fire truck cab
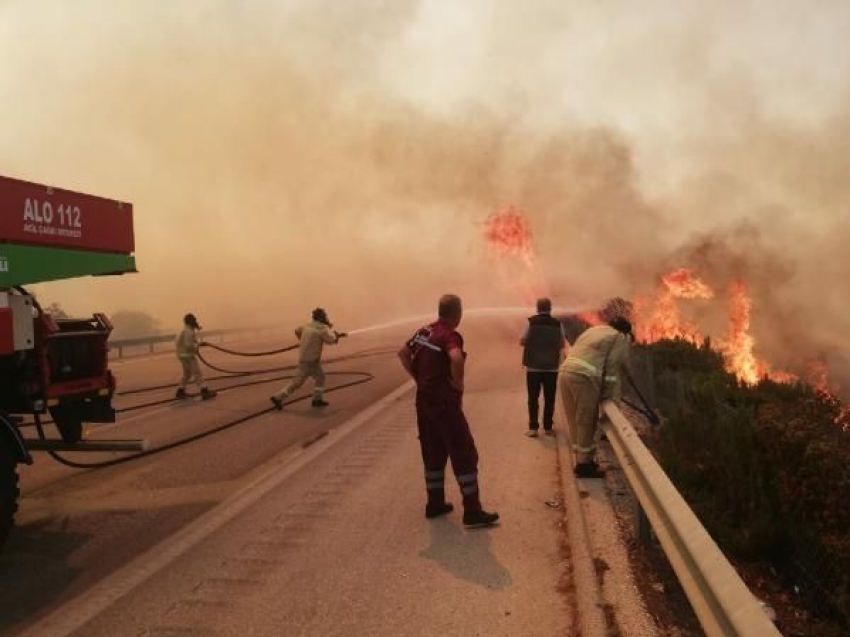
48	365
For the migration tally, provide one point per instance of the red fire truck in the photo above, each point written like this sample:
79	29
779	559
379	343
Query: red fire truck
51	365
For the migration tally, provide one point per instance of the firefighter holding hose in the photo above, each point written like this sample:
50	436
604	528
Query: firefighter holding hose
590	374
187	344
312	338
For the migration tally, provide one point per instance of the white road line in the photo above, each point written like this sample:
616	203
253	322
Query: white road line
77	612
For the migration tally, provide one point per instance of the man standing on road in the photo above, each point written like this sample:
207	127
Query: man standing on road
311	340
187	344
434	357
589	375
543	347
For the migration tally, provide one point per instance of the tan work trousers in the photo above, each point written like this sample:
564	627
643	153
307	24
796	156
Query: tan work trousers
580	397
191	372
307	370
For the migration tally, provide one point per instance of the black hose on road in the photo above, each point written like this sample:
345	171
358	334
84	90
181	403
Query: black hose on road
235	353
365	377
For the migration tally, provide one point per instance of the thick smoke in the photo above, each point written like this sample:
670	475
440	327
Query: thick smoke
283	155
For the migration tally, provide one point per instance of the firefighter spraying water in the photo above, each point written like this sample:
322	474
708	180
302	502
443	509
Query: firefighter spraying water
311	339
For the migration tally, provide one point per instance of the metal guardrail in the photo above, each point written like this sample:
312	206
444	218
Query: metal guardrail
151	341
722	602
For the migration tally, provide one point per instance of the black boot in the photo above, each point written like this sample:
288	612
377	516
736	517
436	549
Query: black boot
181	393
588	470
318	402
436	509
207	394
480	518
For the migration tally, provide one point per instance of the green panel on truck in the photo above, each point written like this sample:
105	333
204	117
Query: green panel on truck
23	264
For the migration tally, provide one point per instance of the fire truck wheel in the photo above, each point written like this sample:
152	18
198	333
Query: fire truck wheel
69	424
8	489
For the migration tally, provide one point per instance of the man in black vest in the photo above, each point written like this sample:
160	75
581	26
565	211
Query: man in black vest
543	347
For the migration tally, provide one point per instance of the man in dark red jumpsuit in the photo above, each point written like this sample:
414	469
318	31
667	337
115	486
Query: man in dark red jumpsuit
434	357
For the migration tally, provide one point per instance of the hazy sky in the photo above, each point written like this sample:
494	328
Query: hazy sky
284	154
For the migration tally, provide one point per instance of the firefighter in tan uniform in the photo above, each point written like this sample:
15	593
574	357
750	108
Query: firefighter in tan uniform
187	344
311	341
590	374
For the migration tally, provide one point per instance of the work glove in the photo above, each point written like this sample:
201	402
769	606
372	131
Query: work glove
340	335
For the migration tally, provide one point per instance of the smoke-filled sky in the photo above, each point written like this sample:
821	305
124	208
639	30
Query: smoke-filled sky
283	154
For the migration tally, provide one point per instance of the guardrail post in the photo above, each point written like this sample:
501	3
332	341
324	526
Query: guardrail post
642	525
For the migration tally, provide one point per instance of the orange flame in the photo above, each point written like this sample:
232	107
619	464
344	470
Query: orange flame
738	350
684	285
508	236
659	318
665	320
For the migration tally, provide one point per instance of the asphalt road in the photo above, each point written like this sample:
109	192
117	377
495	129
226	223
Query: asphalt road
301	522
76	526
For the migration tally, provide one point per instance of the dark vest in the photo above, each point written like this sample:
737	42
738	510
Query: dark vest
543	343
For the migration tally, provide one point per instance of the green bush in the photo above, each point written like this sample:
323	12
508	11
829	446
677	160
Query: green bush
766	467
679	355
710	451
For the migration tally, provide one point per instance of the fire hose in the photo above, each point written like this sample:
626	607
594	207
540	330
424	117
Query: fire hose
646	411
289	348
235	353
365	377
338	335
